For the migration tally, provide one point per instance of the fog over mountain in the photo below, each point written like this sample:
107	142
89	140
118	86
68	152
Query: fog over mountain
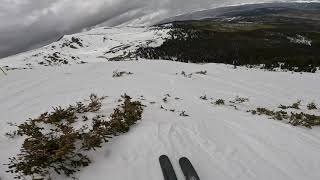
27	24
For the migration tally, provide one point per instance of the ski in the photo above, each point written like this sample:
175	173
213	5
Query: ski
167	168
187	169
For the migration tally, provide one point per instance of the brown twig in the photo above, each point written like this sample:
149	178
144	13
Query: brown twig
3	71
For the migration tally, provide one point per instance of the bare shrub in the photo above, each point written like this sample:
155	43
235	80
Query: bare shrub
295	105
204	97
295	119
303	119
117	73
202	72
183	114
53	144
186	75
312	106
239	100
219	102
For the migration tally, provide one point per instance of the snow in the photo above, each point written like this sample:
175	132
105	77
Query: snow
221	142
299	39
97	44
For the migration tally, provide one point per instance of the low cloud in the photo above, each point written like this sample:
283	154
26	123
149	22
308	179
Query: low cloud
26	24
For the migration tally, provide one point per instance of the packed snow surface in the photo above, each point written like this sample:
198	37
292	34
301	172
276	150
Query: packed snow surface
222	143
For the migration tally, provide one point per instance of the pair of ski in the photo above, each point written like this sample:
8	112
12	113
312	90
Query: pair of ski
186	167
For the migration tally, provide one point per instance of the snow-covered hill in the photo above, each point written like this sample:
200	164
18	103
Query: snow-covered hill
222	142
97	45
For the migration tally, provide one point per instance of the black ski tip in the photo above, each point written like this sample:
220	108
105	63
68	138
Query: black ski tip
188	169
163	157
167	168
183	159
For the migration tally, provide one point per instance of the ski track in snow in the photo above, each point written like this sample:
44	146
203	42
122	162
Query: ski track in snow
221	142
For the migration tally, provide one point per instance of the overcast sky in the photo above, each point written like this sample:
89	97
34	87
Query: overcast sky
25	24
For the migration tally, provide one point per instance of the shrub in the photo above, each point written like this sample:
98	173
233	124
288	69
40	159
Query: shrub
312	106
71	44
204	97
54	59
202	72
283	106
219	102
278	115
183	114
302	119
186	75
234	106
165	99
239	100
254	112
53	144
126	115
117	73
265	111
295	105
295	119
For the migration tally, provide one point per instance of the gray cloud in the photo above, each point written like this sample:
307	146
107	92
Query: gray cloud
26	24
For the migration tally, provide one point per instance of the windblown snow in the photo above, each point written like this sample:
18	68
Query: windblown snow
222	142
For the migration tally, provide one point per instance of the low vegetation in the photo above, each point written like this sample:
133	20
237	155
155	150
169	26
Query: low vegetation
183	114
312	106
204	97
186	75
74	43
295	105
202	72
295	119
53	144
219	102
53	59
117	73
239	100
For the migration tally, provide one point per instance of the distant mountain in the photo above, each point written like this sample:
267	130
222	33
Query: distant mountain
301	10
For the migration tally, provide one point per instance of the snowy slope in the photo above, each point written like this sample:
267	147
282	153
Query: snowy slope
97	45
223	143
